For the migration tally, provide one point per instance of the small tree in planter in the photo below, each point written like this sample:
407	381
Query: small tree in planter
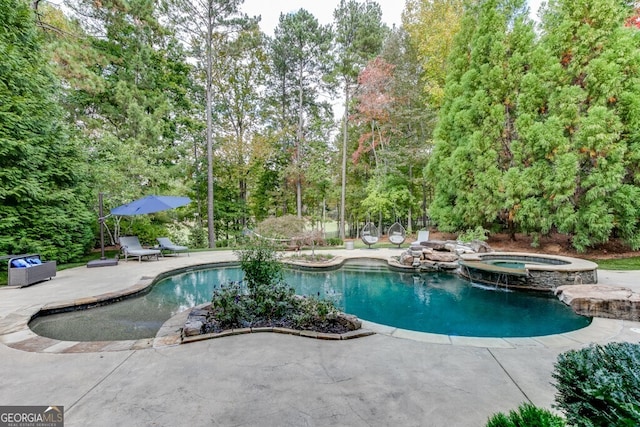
261	264
310	238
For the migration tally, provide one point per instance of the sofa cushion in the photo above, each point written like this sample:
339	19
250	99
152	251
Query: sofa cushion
19	263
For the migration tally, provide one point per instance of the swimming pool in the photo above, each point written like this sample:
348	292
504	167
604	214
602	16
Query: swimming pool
427	302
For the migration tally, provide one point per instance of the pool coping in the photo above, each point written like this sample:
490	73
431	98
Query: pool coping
15	331
569	263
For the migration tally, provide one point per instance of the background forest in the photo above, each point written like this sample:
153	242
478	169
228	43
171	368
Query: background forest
469	116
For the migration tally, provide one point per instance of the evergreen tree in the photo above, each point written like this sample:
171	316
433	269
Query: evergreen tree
475	133
590	134
300	55
132	120
43	203
577	158
206	26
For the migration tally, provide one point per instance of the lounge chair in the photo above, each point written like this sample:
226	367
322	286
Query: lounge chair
131	247
423	236
167	245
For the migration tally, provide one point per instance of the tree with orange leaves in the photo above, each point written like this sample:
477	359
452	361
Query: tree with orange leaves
375	100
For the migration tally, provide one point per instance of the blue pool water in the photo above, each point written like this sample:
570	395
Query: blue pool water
506	264
430	302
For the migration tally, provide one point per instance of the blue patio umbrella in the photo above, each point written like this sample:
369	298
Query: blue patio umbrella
150	204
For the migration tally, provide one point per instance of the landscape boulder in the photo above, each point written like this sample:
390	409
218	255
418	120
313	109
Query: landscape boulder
441	257
437	255
614	302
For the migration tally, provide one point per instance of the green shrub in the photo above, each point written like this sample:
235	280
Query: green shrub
527	415
198	236
479	233
272	302
227	304
600	385
313	311
287	226
335	241
260	263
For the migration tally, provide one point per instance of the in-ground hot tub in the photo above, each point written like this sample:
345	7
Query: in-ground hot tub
538	272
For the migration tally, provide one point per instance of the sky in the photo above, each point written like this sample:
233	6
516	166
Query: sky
322	9
270	10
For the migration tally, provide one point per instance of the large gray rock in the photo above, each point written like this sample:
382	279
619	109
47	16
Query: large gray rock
451	246
192	327
436	245
428	266
441	257
437	255
614	302
448	265
479	247
349	321
406	259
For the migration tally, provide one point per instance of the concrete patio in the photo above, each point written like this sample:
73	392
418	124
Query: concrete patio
394	377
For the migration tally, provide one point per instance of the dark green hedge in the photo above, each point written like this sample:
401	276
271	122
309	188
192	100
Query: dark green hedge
527	415
600	385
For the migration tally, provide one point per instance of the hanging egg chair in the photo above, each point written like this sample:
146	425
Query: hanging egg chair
369	234
397	234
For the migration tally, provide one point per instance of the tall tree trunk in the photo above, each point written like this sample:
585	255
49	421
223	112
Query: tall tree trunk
409	228
344	156
424	206
243	199
211	231
298	148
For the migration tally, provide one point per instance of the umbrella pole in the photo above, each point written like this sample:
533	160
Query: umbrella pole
103	261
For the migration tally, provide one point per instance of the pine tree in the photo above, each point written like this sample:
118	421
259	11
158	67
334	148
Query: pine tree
411	124
300	56
208	25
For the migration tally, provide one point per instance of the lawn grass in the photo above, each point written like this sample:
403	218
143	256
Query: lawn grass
622	264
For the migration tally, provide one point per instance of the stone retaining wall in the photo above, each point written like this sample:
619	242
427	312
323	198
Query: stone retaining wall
549	280
194	328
